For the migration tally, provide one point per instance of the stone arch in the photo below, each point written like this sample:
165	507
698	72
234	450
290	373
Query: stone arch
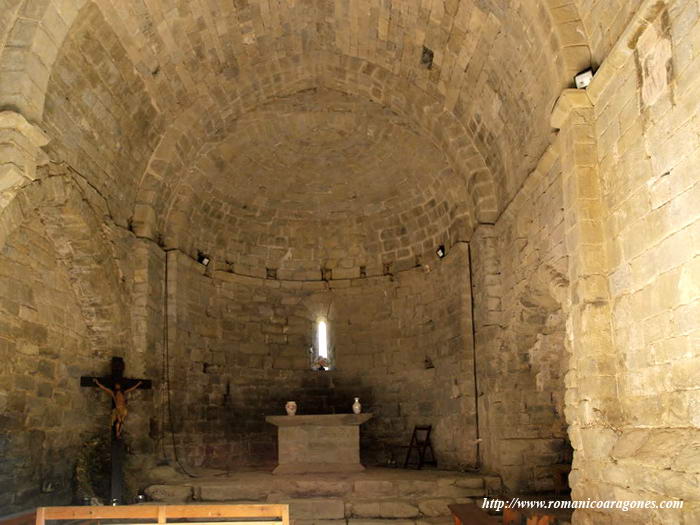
34	31
573	41
68	213
169	163
33	37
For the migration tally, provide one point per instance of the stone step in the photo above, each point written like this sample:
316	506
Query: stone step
317	522
263	490
336	511
170	493
405	508
362	504
385	508
437	507
362	521
442	488
315	508
235	490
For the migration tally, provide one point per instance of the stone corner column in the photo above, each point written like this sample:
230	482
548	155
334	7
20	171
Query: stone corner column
20	153
592	404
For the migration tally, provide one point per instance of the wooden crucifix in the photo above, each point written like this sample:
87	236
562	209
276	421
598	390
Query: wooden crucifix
118	387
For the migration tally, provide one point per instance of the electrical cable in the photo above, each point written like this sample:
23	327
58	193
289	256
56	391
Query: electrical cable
166	365
477	464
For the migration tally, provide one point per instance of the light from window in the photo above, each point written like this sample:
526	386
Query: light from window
322	340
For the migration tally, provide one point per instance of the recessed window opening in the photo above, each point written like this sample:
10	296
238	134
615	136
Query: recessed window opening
322	339
322	359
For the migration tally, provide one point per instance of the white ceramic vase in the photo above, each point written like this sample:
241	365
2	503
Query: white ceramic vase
291	408
356	406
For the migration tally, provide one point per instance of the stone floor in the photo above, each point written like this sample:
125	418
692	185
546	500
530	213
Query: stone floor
373	497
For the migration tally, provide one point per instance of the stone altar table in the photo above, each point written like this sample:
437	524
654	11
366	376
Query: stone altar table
318	443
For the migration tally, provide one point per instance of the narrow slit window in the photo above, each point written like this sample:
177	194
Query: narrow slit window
322	340
321	352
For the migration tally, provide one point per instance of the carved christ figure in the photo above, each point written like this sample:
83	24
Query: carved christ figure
119	412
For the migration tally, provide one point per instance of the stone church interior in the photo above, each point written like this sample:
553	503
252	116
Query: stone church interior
376	260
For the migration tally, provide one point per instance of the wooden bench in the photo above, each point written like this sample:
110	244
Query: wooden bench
470	514
158	514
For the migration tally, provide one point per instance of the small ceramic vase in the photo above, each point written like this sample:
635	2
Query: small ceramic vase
291	408
356	406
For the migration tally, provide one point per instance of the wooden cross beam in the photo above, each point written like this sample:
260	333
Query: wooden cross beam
118	387
117	376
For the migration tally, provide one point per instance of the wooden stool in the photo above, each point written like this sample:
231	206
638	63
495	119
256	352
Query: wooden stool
470	514
421	441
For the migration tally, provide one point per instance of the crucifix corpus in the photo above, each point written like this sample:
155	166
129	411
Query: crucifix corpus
118	387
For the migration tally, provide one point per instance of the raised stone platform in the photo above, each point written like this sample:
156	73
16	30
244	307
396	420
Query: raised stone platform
323	443
372	497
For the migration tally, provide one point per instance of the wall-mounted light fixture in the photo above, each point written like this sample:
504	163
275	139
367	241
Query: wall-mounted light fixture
583	79
441	251
203	258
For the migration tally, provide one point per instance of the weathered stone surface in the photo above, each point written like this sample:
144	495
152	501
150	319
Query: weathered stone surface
520	279
319	488
435	521
360	521
318	443
233	490
169	493
240	313
384	509
435	507
319	522
467	482
320	183
316	508
375	488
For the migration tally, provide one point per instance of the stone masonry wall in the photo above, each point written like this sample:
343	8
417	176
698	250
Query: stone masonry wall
241	345
98	114
520	265
406	342
44	350
646	107
238	351
66	278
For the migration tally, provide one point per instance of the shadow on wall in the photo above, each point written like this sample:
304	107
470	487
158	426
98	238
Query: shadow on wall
532	386
542	327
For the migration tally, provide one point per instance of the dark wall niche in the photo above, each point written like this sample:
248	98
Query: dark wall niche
426	57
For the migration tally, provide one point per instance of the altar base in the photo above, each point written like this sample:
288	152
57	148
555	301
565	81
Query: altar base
318	443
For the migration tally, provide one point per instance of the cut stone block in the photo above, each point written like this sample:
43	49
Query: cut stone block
384	509
418	487
435	507
318	443
234	491
468	483
314	488
375	488
318	522
169	493
379	522
436	521
318	508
